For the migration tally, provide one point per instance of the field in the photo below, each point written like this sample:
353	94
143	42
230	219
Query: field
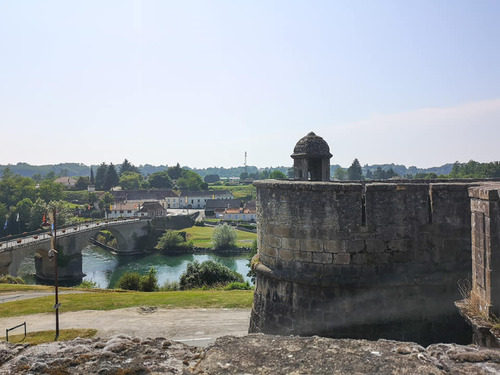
245	192
202	237
114	299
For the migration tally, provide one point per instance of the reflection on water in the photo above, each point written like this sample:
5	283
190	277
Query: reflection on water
105	269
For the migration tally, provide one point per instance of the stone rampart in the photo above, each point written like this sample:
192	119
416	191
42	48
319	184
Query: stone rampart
362	260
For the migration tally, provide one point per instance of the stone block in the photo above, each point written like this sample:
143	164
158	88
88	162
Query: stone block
324	258
334	246
356	246
313	269
358	258
286	254
344	258
283	231
290	243
304	256
375	246
309	244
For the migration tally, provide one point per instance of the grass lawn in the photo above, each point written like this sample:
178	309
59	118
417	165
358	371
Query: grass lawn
202	237
112	299
238	191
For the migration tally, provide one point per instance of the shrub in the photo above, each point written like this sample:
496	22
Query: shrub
224	237
149	282
129	281
207	274
238	286
170	286
251	273
172	240
134	281
199	223
8	279
95	214
87	284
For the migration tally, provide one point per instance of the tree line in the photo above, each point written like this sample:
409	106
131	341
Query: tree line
471	169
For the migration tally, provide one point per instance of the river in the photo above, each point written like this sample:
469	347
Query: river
105	268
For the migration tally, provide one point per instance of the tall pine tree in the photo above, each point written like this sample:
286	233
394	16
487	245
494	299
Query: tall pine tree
354	172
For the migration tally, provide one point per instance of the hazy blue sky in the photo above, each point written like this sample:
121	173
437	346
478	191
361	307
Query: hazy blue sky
201	82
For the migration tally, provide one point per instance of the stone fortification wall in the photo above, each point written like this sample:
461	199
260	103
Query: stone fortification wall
485	206
362	260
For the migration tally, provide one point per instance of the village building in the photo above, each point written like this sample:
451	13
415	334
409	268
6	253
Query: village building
221	204
199	199
150	209
68	182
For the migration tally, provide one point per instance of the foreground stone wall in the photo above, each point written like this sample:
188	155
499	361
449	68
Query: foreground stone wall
362	261
485	206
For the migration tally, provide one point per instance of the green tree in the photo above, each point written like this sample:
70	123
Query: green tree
100	176
354	171
130	181
340	174
211	178
111	179
23	209
191	180
243	176
38	209
208	273
160	180
175	172
170	241
51	176
92	179
224	237
106	201
82	183
128	167
149	282
50	191
277	175
129	281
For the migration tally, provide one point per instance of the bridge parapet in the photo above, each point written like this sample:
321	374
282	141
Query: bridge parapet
71	241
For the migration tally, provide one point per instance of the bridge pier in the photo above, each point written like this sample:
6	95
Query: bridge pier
69	268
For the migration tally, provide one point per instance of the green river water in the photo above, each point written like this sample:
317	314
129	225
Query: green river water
105	268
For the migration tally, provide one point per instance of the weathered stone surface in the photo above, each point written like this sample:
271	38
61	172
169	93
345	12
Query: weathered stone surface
405	238
253	354
261	354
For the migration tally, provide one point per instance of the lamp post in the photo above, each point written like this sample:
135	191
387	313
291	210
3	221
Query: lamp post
53	256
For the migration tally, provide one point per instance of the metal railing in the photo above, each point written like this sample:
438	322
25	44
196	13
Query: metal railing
10	329
37	236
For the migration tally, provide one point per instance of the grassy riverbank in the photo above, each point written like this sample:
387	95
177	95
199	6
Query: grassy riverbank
114	299
202	237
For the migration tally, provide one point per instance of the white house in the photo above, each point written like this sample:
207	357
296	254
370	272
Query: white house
68	182
124	209
171	200
243	214
198	199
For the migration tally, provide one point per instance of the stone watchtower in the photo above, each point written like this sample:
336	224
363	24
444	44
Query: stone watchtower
311	159
360	260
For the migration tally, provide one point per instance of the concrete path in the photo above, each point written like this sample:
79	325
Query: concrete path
198	327
17	296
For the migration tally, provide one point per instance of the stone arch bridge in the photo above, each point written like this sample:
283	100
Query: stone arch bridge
70	242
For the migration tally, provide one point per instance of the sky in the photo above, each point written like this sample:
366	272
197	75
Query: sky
202	82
